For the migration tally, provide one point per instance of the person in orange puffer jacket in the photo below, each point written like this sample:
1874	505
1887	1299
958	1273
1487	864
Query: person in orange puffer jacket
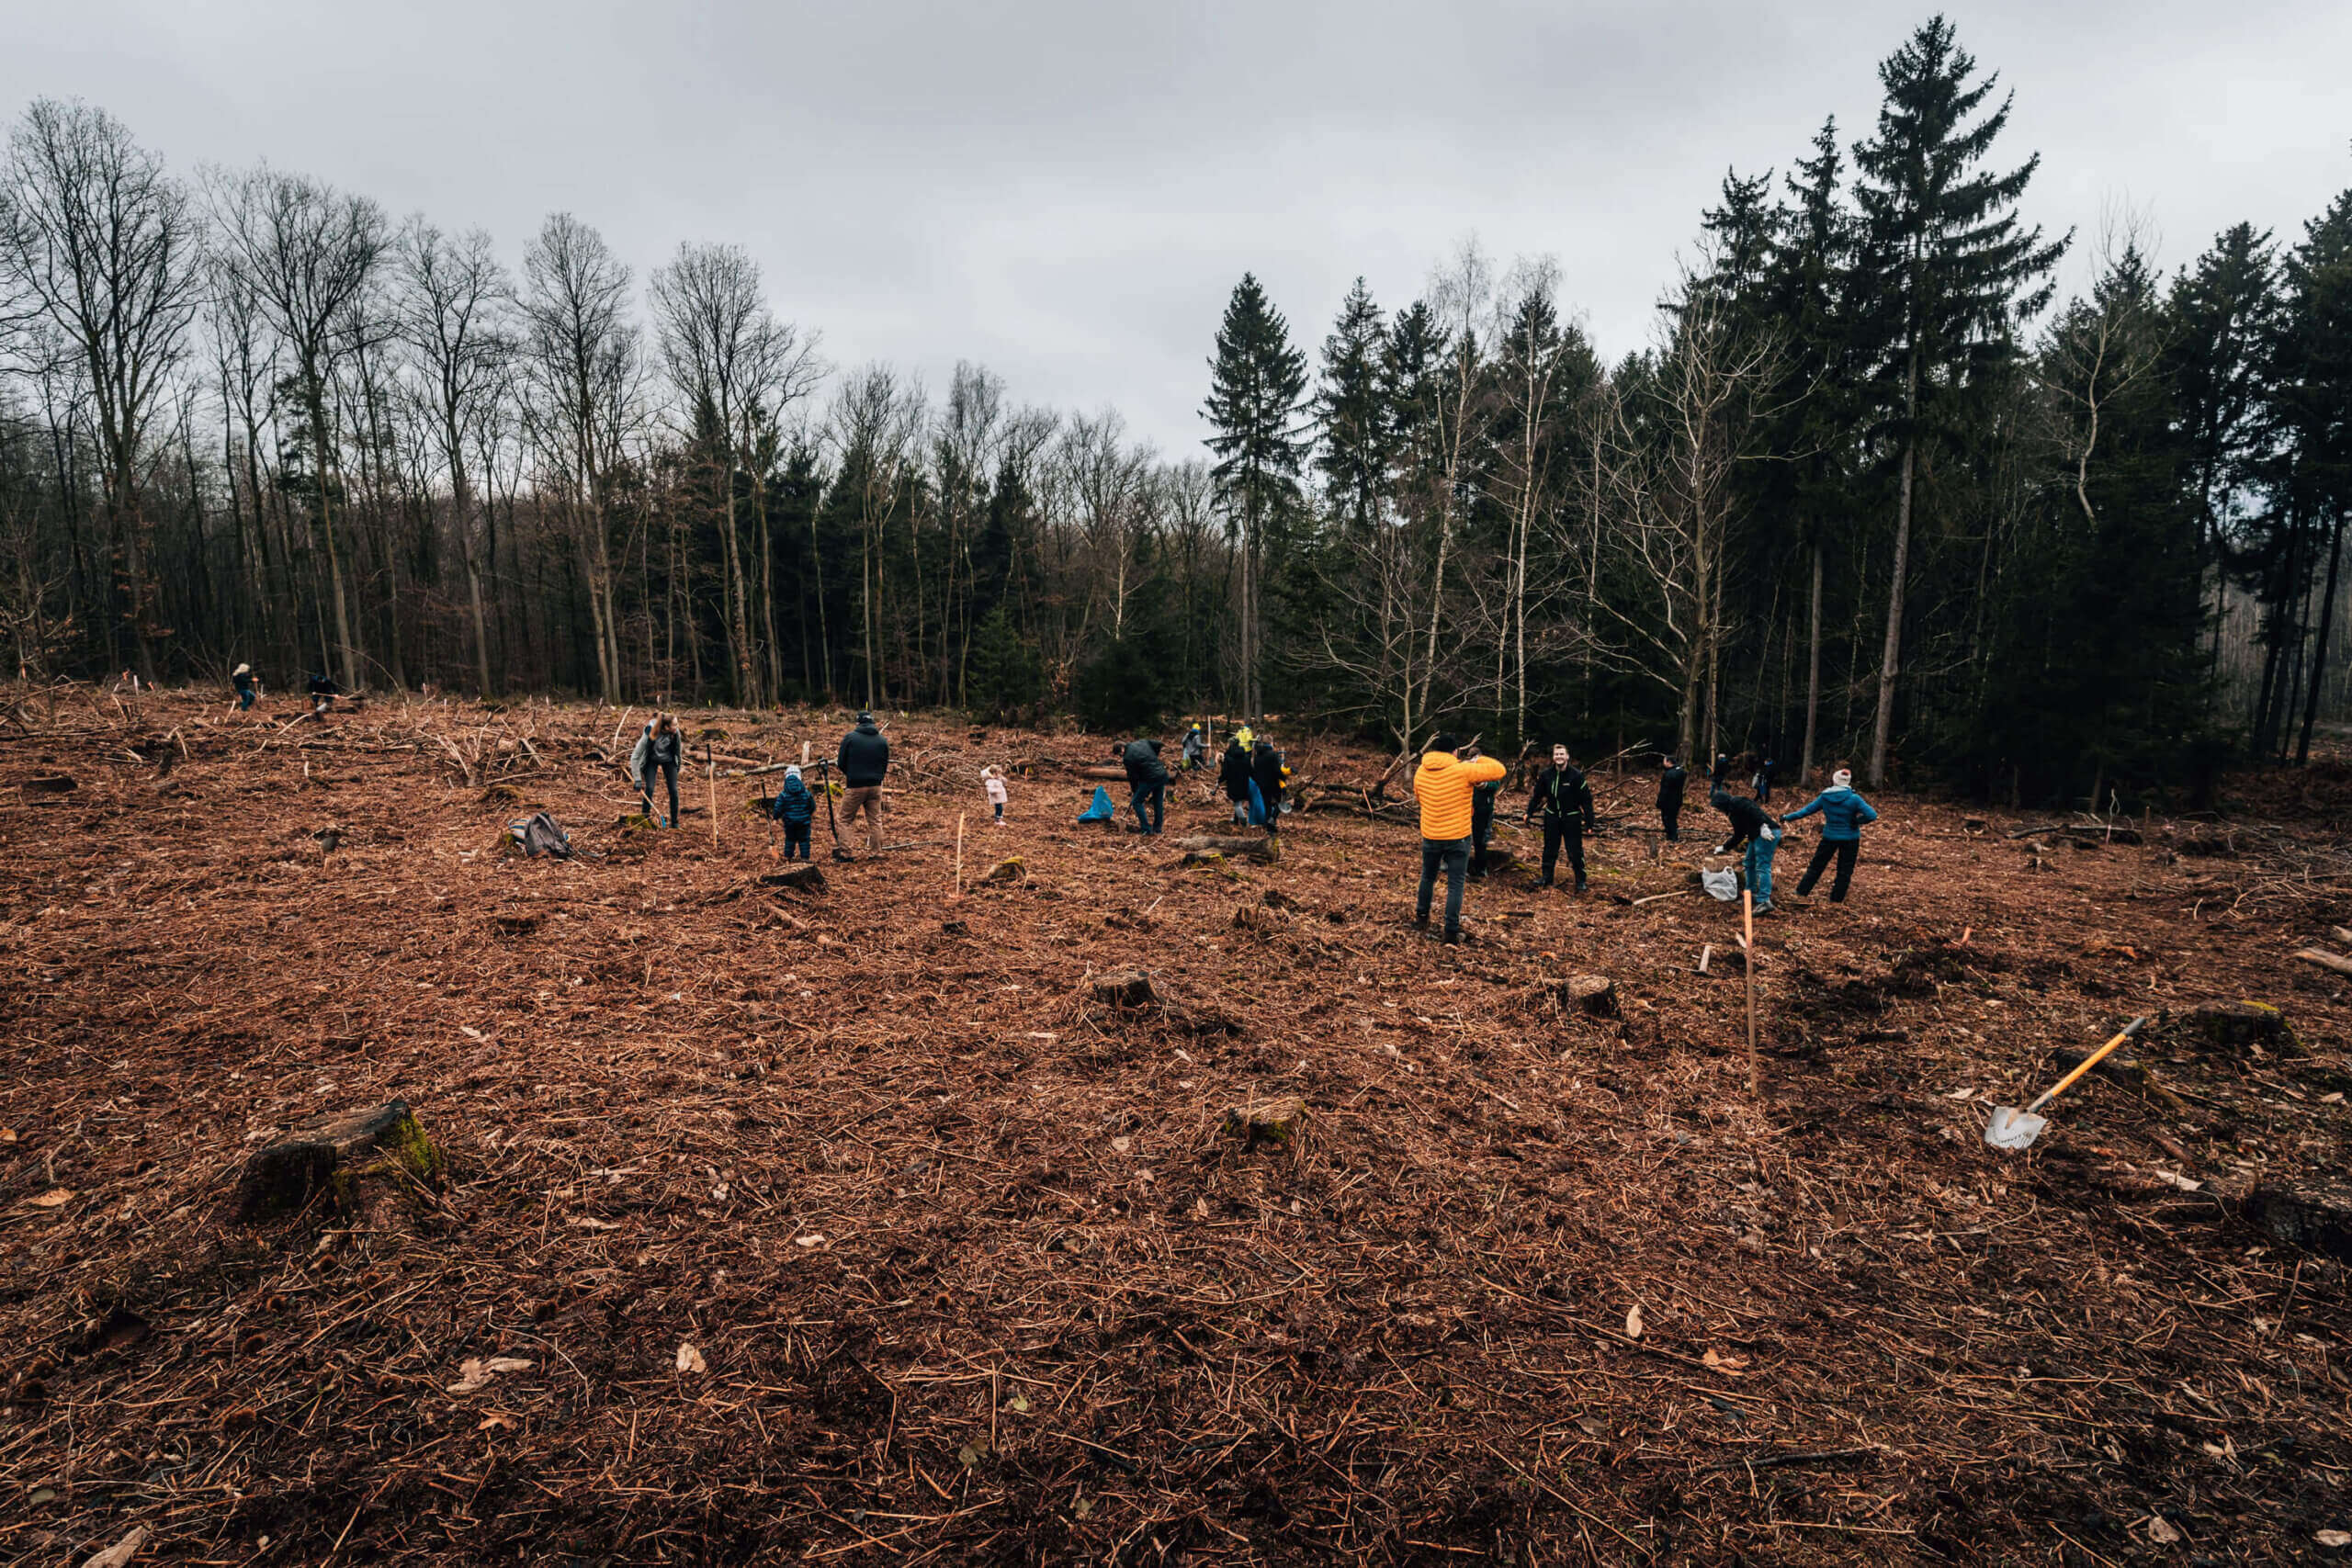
1442	785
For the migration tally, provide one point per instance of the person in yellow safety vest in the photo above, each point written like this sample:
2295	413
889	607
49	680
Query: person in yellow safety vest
1442	784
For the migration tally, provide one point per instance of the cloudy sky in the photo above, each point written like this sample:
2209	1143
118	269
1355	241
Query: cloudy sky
1067	192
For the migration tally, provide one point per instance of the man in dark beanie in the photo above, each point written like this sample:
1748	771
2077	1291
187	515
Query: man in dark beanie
865	760
1670	785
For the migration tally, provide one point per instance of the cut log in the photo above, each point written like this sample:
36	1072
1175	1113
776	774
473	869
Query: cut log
1266	851
1275	1122
2326	960
2317	1215
809	877
51	783
283	1178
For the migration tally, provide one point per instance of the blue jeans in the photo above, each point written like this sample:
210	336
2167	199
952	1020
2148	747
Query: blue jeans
1759	869
245	698
1154	794
1453	854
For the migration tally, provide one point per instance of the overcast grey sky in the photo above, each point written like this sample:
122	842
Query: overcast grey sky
1066	191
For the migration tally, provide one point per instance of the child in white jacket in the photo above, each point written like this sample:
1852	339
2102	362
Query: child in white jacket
993	782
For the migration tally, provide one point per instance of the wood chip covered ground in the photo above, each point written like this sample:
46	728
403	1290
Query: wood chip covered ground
858	1222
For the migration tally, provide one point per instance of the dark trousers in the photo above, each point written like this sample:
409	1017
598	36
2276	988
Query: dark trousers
1559	835
245	698
1453	854
1845	849
795	837
1154	794
645	787
1672	817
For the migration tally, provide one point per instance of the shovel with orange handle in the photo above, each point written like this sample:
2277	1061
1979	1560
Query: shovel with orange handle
2011	1129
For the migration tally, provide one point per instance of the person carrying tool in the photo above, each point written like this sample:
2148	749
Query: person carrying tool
797	809
1147	783
1751	827
1442	784
1266	775
241	677
1565	797
1670	785
1233	772
1196	749
659	746
1843	812
864	761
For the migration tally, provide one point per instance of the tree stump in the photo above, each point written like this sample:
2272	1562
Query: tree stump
2317	1215
1011	869
1129	990
2244	1026
335	1157
1275	1122
805	878
1592	994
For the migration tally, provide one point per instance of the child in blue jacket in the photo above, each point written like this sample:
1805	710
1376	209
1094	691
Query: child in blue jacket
797	809
1843	812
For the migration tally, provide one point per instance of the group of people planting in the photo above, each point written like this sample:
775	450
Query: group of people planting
1457	787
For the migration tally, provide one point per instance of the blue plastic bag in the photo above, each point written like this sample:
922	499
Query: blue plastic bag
1101	810
1257	806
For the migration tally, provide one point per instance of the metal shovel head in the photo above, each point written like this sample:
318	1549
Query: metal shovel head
2013	1129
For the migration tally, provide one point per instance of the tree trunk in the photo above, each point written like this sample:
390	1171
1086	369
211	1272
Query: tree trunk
2319	651
1889	662
1812	673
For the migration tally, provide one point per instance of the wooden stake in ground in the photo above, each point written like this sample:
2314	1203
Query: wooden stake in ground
959	854
710	766
1747	950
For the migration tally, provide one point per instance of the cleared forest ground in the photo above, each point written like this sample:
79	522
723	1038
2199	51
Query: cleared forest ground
970	1267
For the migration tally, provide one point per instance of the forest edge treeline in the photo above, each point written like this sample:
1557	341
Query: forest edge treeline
1870	491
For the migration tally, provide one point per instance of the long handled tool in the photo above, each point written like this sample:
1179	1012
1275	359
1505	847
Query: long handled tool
2011	1129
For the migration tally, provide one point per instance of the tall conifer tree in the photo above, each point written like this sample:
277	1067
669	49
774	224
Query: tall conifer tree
1257	387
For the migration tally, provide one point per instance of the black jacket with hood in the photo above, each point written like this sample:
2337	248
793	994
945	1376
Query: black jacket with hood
866	756
1563	797
1233	772
1142	762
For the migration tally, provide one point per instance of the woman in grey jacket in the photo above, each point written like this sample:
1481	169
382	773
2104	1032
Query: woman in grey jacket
660	745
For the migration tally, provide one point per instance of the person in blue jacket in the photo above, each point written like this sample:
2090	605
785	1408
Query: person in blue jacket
1843	812
797	809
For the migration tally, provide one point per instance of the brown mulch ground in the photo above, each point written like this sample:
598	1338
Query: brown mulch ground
971	1271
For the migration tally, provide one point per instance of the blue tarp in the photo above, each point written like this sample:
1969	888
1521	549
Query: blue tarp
1101	810
1257	806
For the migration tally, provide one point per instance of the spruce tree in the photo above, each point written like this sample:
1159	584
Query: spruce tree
1946	274
2224	316
1257	389
1351	407
2312	389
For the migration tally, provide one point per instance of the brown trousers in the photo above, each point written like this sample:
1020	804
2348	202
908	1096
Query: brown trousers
868	800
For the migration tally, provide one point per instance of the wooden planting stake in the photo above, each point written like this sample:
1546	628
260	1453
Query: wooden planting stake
710	765
959	854
1748	948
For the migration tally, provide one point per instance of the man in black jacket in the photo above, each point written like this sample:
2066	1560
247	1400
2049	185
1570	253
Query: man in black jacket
1565	798
1670	785
1233	772
1147	783
865	760
1752	826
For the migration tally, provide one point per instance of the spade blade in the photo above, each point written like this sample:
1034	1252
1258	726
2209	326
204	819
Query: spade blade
2013	1129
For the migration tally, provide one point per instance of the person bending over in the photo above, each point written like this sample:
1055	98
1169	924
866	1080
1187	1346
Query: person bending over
1751	828
659	746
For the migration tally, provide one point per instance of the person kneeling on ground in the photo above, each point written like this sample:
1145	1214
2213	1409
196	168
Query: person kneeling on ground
797	809
1565	797
1442	784
658	745
1147	783
1843	812
1751	826
864	761
1233	772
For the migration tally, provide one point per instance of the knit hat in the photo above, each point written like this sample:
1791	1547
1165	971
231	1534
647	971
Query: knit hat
242	670
1843	778
792	773
864	718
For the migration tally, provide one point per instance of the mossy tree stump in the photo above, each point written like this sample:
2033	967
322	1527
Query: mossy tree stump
2244	1026
339	1158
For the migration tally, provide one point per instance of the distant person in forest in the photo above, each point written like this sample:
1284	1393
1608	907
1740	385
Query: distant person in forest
323	692
1267	773
658	749
1752	829
1762	782
1719	775
992	784
1564	797
1843	813
1196	749
1442	784
1233	772
1670	787
241	677
797	809
1147	783
864	762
